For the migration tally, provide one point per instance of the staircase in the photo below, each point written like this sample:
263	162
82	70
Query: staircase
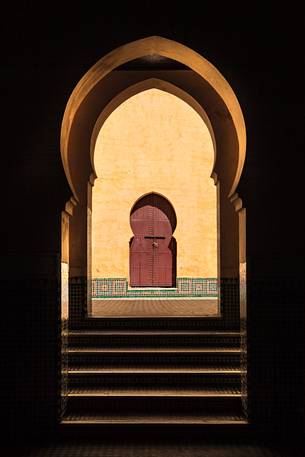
153	376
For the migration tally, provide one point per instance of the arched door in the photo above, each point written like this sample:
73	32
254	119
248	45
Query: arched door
153	248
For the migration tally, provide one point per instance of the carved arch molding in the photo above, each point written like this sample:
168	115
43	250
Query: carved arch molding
202	86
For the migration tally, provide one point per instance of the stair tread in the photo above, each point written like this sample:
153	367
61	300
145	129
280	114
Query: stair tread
150	332
153	349
153	419
154	382
133	369
155	392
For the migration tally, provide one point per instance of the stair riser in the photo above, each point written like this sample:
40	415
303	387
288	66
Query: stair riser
153	341
151	380
165	323
155	405
153	360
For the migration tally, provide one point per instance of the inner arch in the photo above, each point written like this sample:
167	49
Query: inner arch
154	142
135	89
162	204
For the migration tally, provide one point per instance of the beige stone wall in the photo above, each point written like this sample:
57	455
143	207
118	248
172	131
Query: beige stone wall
154	142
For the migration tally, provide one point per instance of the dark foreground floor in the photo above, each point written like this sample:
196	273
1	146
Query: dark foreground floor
151	449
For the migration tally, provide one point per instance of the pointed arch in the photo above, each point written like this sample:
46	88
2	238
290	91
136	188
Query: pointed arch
146	84
152	249
83	93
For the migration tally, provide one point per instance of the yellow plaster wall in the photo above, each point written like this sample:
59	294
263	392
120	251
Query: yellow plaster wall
154	142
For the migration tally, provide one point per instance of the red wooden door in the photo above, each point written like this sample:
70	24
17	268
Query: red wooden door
152	261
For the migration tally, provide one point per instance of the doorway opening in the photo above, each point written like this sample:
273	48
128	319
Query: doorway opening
156	141
115	83
174	69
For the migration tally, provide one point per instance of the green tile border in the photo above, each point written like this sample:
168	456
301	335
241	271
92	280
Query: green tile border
186	287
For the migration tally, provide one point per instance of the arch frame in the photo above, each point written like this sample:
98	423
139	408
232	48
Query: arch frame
229	132
225	117
151	46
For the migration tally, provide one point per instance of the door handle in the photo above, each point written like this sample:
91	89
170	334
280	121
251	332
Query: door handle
155	237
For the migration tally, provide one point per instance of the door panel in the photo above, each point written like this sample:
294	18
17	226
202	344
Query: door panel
141	262
162	264
151	255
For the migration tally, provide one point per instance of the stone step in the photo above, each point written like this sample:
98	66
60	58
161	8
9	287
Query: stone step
155	404
152	339
156	350
153	376
148	377
157	323
80	420
155	392
151	358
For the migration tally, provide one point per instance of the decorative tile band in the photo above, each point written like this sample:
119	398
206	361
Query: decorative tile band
186	287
